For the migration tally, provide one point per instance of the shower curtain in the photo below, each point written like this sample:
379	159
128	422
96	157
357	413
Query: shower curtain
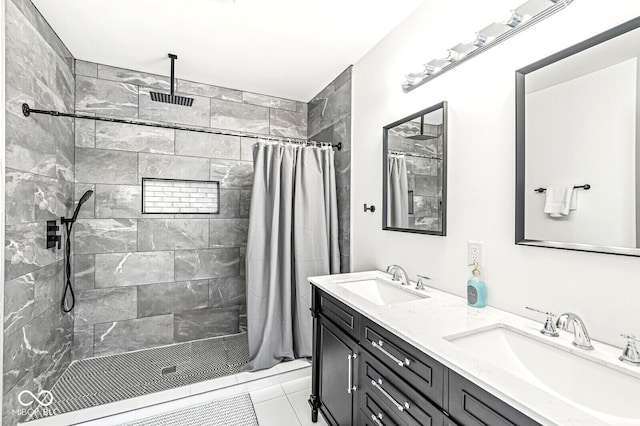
293	234
398	190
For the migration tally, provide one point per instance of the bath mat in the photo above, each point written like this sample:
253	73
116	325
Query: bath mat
236	411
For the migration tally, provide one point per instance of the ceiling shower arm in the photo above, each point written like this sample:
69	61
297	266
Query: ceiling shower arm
173	58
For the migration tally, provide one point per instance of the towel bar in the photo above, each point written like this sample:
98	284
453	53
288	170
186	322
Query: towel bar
586	187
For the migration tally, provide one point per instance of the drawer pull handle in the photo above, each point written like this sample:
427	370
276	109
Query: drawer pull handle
350	386
375	419
389	397
378	345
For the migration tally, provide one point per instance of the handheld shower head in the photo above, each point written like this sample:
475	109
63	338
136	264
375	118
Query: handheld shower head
83	200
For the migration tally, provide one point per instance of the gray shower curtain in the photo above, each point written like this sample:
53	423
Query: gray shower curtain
398	190
293	234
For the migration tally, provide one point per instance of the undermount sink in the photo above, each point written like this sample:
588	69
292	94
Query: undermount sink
381	292
602	391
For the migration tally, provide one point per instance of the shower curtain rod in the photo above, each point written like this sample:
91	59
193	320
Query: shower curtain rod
27	111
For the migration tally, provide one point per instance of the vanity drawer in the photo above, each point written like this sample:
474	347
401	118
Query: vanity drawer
395	395
424	373
374	413
338	313
469	405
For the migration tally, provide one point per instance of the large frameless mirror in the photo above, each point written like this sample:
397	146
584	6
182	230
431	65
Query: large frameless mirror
415	172
578	146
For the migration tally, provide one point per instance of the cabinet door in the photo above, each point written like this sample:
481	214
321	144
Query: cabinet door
470	405
338	375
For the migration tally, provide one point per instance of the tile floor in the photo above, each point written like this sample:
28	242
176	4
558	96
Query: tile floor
285	404
174	399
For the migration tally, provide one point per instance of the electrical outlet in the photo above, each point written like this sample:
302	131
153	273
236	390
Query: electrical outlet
474	252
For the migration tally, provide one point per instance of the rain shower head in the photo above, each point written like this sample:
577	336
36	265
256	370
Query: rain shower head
83	200
172	98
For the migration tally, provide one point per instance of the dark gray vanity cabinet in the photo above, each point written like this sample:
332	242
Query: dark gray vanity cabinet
366	376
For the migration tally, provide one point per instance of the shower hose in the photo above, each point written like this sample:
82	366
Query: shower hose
67	286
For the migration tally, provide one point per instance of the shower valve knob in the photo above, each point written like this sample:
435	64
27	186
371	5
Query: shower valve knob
53	239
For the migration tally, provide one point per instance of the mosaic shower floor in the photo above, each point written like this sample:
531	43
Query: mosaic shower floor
95	381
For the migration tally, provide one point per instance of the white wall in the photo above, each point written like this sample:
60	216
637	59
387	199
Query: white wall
603	289
583	131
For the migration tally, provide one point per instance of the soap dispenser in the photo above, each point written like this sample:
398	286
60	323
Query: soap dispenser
476	289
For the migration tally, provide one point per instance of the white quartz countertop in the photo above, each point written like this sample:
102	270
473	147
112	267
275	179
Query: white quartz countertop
425	323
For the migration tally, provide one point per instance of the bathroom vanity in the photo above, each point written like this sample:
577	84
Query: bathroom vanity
386	354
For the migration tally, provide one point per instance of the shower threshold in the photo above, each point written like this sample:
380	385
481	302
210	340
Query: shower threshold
102	380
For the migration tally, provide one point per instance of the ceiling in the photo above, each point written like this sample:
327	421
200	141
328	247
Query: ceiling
286	48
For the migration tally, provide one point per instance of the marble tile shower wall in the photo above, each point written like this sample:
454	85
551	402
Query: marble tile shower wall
149	280
39	177
330	120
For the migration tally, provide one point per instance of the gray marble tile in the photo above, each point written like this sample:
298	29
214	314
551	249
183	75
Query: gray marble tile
419	166
30	146
197	114
228	232
87	69
65	150
172	234
84	271
302	107
41	350
48	283
246	148
239	117
329	107
53	198
209	91
19	197
25	249
85	133
229	203
269	101
232	174
205	323
104	305
107	72
130	137
206	263
128	269
106	166
344	78
88	209
124	336
105	236
229	291
243	258
167	298
245	202
118	201
19	298
342	162
39	24
207	145
106	97
173	167
426	185
288	123
82	342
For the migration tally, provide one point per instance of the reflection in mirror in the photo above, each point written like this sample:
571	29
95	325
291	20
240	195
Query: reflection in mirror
578	146
415	173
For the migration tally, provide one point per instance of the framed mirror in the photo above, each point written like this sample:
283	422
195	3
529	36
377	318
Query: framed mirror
578	146
414	163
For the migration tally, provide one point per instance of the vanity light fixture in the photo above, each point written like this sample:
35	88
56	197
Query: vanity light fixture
522	17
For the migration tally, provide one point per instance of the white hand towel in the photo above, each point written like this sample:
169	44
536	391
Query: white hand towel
558	200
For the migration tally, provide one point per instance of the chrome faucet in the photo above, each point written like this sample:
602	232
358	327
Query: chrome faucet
420	284
581	337
396	271
630	355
